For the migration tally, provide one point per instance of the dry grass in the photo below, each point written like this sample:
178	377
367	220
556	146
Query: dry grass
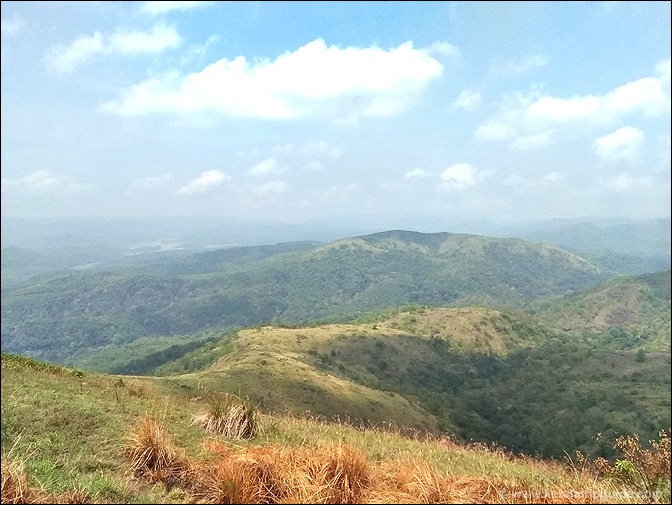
15	488
152	455
339	473
229	416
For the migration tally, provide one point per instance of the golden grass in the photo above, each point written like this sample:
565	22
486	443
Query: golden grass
15	488
341	473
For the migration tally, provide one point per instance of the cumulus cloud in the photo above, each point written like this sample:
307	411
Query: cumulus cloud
44	182
66	58
537	119
644	95
624	143
443	48
158	8
266	167
314	79
203	183
496	130
417	173
461	176
468	99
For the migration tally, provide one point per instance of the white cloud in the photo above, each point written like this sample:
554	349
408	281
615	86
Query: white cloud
158	8
203	183
11	26
460	176
468	99
625	182
645	95
66	58
624	143
272	188
340	193
314	79
528	62
417	173
496	130
266	167
537	119
443	48
44	182
147	183
160	38
663	70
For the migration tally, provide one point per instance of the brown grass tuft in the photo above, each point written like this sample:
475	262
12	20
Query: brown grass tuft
15	488
153	457
412	481
253	476
229	416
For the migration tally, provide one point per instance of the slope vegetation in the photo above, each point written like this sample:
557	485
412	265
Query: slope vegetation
68	317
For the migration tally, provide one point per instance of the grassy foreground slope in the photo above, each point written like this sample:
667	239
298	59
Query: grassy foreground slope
71	434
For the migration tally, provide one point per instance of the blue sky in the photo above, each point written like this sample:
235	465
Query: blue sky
294	111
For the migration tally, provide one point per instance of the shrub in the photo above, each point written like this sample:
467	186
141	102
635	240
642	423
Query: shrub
647	470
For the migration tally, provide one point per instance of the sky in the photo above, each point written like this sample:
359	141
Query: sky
298	111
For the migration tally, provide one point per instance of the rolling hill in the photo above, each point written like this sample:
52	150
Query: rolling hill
628	312
65	318
479	374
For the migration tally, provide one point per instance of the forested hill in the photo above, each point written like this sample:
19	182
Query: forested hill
66	317
632	311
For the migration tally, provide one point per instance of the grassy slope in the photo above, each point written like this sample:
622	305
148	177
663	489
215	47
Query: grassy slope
68	429
639	305
481	374
335	369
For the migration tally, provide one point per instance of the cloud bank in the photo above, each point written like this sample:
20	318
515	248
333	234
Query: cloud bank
314	79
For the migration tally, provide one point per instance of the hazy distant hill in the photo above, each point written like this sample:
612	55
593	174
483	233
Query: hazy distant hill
66	317
622	246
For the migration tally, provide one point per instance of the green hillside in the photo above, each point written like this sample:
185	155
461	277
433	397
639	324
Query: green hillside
628	312
66	318
73	436
479	374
